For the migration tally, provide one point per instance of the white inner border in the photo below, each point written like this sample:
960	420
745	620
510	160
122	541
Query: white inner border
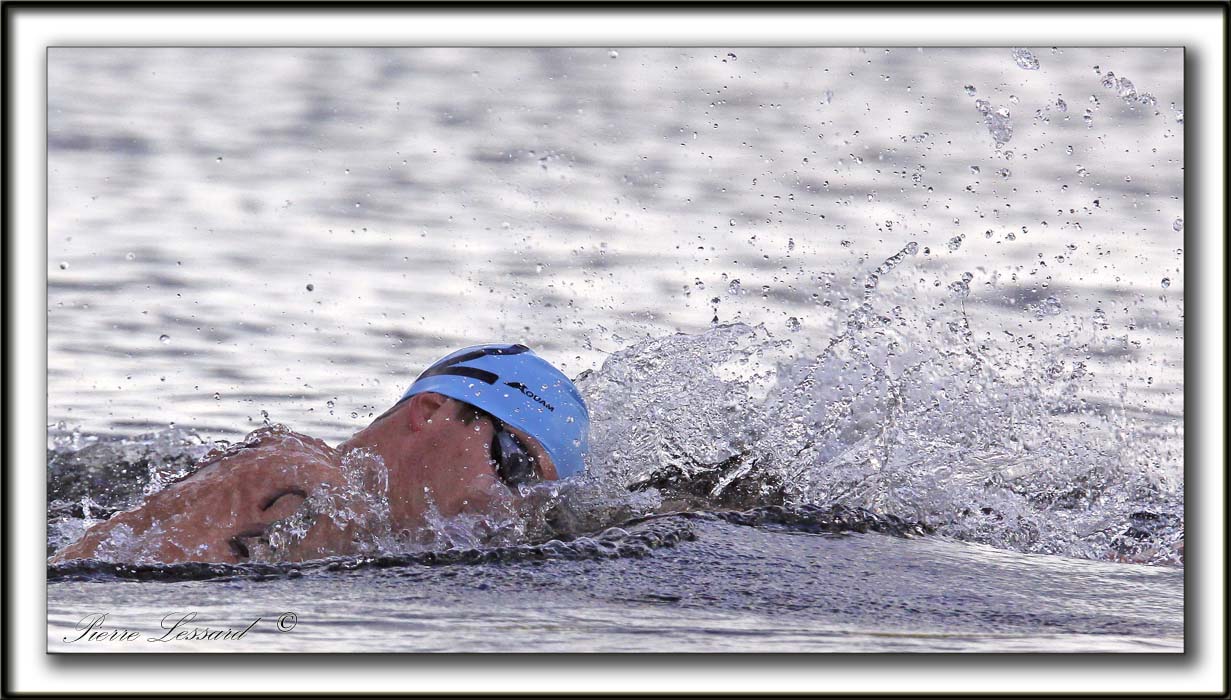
1198	29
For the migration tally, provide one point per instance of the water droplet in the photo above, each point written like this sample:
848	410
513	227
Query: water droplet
1004	172
846	244
733	287
1048	307
961	288
974	170
217	396
732	56
996	121
956	242
1100	319
613	54
63	266
731	222
130	256
311	286
1062	105
792	324
1177	225
1025	59
970	90
1166	282
218	159
538	268
164	339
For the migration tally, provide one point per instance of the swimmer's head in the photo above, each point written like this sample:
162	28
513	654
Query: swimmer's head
521	390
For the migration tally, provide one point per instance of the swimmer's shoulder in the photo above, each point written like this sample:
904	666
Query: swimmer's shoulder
273	446
278	437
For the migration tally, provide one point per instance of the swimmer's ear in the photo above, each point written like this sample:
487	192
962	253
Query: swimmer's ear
423	408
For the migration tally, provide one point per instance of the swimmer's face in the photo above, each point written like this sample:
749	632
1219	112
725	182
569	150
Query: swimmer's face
517	457
453	456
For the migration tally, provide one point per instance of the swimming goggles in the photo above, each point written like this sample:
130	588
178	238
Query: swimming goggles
514	464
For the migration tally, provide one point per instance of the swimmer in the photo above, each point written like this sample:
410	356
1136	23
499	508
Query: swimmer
469	431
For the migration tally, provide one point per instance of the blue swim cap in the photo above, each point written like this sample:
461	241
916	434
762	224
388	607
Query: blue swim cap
523	390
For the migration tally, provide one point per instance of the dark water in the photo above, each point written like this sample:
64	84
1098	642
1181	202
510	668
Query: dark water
933	284
721	587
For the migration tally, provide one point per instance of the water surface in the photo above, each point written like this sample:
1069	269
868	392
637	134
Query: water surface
944	285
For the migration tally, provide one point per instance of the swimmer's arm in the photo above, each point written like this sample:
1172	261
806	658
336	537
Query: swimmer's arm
202	518
135	521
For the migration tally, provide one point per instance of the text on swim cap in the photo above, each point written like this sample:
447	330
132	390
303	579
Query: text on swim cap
522	388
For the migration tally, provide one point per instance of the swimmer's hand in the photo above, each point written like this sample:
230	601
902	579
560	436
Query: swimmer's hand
313	530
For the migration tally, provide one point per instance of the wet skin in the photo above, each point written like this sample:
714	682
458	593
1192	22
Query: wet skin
433	458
